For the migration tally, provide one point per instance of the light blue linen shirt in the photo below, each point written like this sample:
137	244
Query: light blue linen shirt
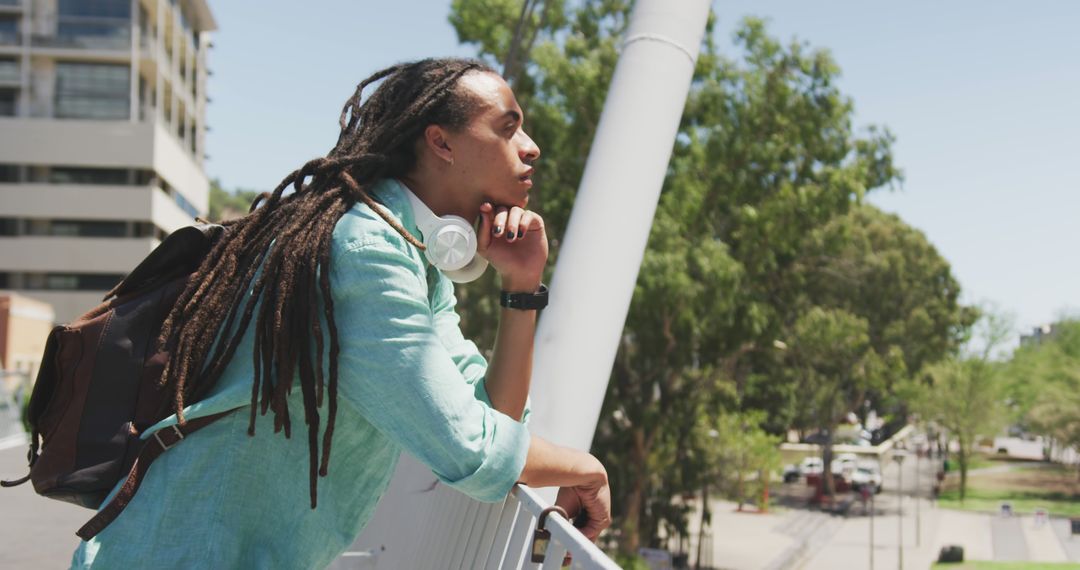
408	381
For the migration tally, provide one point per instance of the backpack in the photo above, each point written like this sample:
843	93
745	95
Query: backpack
98	387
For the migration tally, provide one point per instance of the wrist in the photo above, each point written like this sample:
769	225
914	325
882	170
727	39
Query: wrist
590	469
520	283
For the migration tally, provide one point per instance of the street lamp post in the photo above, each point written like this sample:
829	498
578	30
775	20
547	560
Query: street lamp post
918	503
898	457
871	524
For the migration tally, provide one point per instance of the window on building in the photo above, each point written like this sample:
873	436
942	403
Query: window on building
96	24
92	90
9	29
144	229
184	204
9	226
71	281
79	175
88	228
9	69
9	173
9	98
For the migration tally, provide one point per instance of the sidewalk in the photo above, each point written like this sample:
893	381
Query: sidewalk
749	539
35	532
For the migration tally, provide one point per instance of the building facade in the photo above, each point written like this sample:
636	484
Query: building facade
24	327
1038	335
102	138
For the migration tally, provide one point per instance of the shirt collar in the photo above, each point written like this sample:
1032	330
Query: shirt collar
390	192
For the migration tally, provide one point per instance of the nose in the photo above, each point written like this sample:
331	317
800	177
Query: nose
528	151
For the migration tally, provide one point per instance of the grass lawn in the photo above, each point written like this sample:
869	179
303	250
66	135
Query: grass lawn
1027	486
981	565
979	461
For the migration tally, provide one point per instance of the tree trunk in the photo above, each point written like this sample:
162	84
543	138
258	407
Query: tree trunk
764	506
704	518
631	523
632	520
962	460
739	489
828	488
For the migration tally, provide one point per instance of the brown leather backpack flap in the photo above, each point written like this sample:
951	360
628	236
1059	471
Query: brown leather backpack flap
63	389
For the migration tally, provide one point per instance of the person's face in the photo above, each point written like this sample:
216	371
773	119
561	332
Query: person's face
492	155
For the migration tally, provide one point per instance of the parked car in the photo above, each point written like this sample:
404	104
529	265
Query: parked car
867	473
792	473
809	466
844	462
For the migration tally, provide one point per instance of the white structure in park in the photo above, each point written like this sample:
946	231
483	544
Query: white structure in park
102	124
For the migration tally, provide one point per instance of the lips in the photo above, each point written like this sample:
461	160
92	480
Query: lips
527	176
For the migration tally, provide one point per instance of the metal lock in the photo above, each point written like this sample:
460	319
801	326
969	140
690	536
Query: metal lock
542	537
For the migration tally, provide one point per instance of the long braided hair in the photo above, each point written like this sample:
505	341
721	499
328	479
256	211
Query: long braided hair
376	141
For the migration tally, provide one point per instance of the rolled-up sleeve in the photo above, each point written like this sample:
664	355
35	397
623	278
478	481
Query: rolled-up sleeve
397	372
467	358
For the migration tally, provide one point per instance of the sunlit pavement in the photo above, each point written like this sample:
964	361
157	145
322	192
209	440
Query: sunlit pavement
35	532
806	539
926	529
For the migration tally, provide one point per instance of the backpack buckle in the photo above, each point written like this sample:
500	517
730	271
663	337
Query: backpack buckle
165	446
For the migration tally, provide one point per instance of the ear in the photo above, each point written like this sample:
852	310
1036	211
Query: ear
435	139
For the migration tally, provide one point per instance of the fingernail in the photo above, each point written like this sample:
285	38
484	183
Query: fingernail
520	233
497	230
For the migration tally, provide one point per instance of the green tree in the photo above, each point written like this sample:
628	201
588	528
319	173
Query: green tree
872	265
1044	386
226	205
766	157
835	368
966	393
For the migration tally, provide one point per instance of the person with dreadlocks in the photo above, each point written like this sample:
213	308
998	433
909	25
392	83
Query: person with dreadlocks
325	284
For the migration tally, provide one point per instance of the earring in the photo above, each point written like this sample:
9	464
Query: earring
451	161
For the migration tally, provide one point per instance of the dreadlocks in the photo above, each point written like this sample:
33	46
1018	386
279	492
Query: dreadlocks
376	141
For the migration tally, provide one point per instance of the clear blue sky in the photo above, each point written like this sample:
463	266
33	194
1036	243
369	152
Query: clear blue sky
982	96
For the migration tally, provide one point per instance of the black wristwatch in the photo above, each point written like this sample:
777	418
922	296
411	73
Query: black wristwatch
525	301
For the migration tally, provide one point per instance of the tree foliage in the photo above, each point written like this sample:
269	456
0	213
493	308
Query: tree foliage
1043	385
226	205
760	237
966	393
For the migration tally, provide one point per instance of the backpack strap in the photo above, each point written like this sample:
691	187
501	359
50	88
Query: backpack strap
161	441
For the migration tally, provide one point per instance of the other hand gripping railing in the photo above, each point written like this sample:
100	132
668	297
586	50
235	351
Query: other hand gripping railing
563	538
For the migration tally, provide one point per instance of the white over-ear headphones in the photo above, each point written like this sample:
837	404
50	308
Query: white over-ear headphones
450	242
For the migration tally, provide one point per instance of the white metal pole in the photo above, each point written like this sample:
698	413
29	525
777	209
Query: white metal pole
605	240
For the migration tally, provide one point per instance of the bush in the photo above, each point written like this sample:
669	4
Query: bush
951	553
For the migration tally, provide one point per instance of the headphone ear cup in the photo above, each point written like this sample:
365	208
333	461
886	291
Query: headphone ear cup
470	272
451	243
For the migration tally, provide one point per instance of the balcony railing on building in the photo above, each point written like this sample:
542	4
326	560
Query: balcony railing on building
115	40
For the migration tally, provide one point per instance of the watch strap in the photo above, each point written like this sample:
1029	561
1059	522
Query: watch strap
525	301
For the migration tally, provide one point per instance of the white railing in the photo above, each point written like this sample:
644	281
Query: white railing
467	534
565	539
